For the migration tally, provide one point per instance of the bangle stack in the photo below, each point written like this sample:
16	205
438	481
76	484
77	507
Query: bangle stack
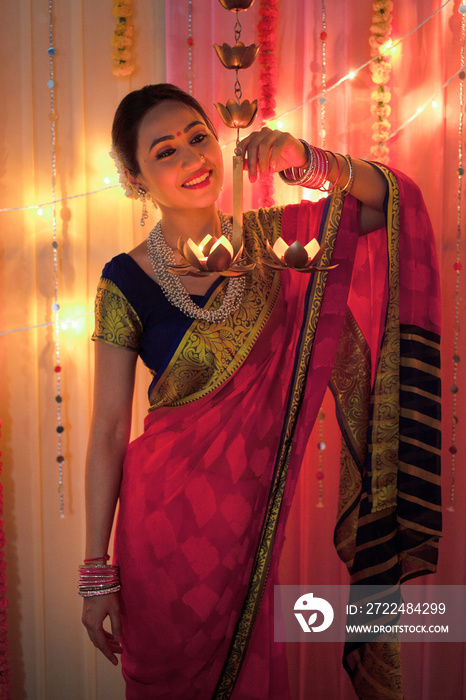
100	579
315	174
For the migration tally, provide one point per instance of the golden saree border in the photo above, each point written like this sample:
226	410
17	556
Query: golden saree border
262	561
350	386
208	354
386	403
116	321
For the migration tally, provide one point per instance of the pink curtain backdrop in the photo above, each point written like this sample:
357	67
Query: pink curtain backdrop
49	654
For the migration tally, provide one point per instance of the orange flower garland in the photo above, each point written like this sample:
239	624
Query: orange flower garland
380	68
122	39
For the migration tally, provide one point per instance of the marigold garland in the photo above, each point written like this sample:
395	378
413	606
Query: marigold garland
122	39
380	68
267	38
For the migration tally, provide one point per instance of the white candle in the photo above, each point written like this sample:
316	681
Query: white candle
237	202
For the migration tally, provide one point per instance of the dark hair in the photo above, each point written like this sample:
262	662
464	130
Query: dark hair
132	110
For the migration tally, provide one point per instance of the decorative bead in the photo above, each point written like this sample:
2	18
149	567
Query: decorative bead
462	9
58	398
320	476
454	420
456	358
190	75
454	389
322	100
51	51
321	415
458	266
321	446
323	36
50	83
190	41
55	244
60	429
60	459
461	171
57	368
453	450
55	307
462	75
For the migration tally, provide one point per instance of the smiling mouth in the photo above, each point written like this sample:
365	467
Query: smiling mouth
205	175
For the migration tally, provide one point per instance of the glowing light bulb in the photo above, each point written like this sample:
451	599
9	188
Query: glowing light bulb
386	47
40	211
74	324
64	325
351	75
106	180
435	104
280	125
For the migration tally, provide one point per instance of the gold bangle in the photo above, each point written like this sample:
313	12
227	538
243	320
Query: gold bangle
347	188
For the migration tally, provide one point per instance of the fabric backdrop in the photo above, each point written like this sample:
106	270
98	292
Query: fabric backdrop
50	656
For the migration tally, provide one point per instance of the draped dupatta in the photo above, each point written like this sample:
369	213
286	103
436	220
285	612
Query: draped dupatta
386	383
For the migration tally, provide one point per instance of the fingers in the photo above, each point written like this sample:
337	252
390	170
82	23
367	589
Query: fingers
257	151
268	151
95	610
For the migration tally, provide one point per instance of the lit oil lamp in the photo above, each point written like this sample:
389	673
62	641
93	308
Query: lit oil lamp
211	255
299	257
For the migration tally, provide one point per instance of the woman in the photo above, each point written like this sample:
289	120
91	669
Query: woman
240	366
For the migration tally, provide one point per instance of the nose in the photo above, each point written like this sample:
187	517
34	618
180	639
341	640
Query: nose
192	159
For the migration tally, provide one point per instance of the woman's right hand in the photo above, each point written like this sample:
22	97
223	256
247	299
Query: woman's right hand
95	610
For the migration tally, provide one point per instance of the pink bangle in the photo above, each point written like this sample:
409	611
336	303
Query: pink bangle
106	557
315	175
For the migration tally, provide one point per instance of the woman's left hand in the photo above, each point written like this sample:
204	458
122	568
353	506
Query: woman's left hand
269	151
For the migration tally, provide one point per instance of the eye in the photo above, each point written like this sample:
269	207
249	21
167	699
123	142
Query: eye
165	153
199	138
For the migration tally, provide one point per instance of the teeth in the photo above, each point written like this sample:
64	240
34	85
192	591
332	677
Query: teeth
197	180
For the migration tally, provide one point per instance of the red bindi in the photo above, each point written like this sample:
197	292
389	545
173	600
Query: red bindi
178	133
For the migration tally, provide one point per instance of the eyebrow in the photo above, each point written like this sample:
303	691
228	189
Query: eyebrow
170	137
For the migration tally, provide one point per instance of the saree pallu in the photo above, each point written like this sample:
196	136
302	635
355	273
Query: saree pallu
207	488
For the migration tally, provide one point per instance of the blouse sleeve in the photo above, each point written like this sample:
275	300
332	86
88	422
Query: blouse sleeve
116	321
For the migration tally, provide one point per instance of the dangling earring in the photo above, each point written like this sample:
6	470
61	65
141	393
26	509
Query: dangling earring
144	213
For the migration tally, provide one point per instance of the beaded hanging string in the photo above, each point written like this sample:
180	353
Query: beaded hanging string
457	266
323	133
267	38
323	97
190	42
55	306
380	68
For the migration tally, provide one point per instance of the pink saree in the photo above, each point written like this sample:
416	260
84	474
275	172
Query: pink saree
207	488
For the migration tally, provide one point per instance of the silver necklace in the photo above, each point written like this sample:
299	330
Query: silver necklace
161	256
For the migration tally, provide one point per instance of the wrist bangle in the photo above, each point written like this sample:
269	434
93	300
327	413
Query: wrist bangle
315	175
347	188
105	558
98	579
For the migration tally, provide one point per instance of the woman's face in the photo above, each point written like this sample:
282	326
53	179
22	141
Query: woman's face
180	159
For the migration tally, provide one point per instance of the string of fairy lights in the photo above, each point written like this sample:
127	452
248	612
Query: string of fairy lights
322	98
39	208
